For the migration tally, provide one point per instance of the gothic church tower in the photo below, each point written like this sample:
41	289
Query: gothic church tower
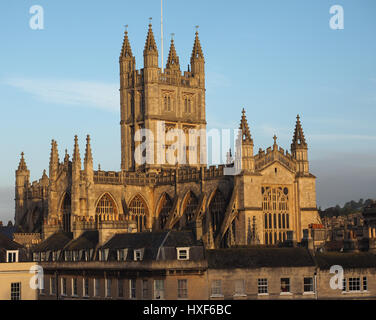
161	102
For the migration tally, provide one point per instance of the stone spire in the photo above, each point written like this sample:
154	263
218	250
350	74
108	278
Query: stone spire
298	139
150	56
299	149
76	153
126	51
150	44
197	53
54	160
244	159
22	165
244	129
173	59
88	155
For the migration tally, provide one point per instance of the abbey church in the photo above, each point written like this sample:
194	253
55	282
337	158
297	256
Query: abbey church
272	199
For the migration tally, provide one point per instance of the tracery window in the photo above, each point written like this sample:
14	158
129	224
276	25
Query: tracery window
190	206
167	102
166	206
138	212
188	104
217	208
66	213
275	205
106	205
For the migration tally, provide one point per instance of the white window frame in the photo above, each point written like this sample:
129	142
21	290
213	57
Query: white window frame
183	290
108	293
179	252
122	254
84	293
312	285
14	255
74	290
138	254
132	289
215	289
289	284
15	293
97	287
354	281
145	289
64	294
262	283
161	297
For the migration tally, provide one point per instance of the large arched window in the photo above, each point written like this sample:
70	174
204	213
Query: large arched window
190	205
165	208
138	212
106	205
275	205
217	210
66	213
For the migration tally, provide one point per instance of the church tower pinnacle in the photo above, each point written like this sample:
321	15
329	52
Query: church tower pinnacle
244	156
299	148
198	61
173	64
150	50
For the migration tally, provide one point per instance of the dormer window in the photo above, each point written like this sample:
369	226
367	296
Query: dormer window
122	254
103	254
138	254
36	256
183	253
12	256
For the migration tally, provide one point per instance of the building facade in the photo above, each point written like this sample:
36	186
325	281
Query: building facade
271	199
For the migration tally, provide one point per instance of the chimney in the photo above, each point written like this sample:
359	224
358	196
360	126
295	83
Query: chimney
1	223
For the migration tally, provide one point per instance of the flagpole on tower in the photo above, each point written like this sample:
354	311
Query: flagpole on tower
162	34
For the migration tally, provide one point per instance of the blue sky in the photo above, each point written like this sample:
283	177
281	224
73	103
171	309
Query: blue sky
274	58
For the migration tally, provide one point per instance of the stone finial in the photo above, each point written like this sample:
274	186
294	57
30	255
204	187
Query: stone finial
150	44
298	139
126	50
197	50
22	165
173	59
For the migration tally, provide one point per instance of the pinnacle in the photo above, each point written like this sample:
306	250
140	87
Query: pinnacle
126	51
298	138
197	50
150	44
246	134
173	59
22	164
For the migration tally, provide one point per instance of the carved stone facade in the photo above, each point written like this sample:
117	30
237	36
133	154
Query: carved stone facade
272	199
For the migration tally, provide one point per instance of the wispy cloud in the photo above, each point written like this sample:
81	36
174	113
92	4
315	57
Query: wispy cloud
69	92
341	137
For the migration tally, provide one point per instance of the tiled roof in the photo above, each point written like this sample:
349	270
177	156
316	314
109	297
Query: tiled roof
258	257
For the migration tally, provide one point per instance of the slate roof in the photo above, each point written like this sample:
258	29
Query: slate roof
8	244
55	242
88	240
346	260
136	240
8	231
152	240
258	257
